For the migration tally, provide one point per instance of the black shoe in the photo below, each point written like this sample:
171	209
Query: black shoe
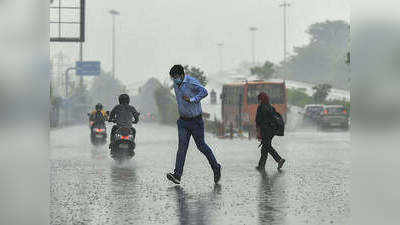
280	163
109	147
172	177
217	174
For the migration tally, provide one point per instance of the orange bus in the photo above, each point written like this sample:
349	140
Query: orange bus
241	99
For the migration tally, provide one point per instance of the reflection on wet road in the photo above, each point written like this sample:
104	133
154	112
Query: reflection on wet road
87	187
270	200
195	209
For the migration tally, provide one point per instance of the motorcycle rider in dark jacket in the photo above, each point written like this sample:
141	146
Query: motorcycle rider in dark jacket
122	115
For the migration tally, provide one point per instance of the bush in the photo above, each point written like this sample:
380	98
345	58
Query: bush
196	73
166	105
298	97
321	92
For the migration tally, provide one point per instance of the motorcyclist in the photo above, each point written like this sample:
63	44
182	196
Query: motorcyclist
122	115
98	116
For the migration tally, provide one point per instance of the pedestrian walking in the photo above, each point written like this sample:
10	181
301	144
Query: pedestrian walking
265	131
189	92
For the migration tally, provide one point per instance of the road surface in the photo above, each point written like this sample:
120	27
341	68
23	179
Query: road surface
87	187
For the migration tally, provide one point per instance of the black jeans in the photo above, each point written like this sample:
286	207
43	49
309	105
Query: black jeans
265	149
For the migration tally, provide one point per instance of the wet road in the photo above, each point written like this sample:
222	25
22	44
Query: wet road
87	187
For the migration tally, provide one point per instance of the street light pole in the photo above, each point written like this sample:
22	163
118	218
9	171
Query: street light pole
83	7
67	106
284	5
81	59
253	30
113	14
220	45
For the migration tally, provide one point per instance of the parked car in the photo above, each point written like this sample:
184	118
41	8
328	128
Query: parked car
333	116
311	113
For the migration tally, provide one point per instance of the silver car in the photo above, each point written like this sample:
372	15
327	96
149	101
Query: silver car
333	116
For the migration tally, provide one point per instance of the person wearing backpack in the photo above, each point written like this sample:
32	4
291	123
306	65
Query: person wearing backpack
268	123
122	115
97	119
98	115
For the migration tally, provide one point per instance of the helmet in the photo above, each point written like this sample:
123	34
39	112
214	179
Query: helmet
123	99
99	107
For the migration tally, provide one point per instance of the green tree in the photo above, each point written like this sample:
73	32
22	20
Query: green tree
55	106
321	92
145	100
105	89
166	105
196	73
298	97
265	71
322	60
79	101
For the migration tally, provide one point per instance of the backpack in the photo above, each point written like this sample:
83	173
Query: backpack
278	125
99	117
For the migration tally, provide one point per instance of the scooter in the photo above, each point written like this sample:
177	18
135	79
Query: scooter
124	144
98	134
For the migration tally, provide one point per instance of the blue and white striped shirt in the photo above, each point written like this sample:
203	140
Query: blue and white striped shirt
192	88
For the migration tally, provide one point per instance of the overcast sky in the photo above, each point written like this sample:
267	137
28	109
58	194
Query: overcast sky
152	35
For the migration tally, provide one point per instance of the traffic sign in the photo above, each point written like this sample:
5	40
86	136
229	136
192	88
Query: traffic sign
88	68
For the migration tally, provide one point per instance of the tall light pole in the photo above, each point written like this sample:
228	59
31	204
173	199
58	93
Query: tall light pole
253	30
284	5
81	59
220	45
113	14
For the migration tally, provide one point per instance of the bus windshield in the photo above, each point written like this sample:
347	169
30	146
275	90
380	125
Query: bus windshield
275	92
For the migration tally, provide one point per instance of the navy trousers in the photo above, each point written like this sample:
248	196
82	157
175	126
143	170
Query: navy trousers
186	129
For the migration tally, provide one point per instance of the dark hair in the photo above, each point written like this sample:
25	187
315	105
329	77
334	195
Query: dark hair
177	70
263	97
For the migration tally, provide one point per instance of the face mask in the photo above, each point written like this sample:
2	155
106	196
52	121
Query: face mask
177	81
